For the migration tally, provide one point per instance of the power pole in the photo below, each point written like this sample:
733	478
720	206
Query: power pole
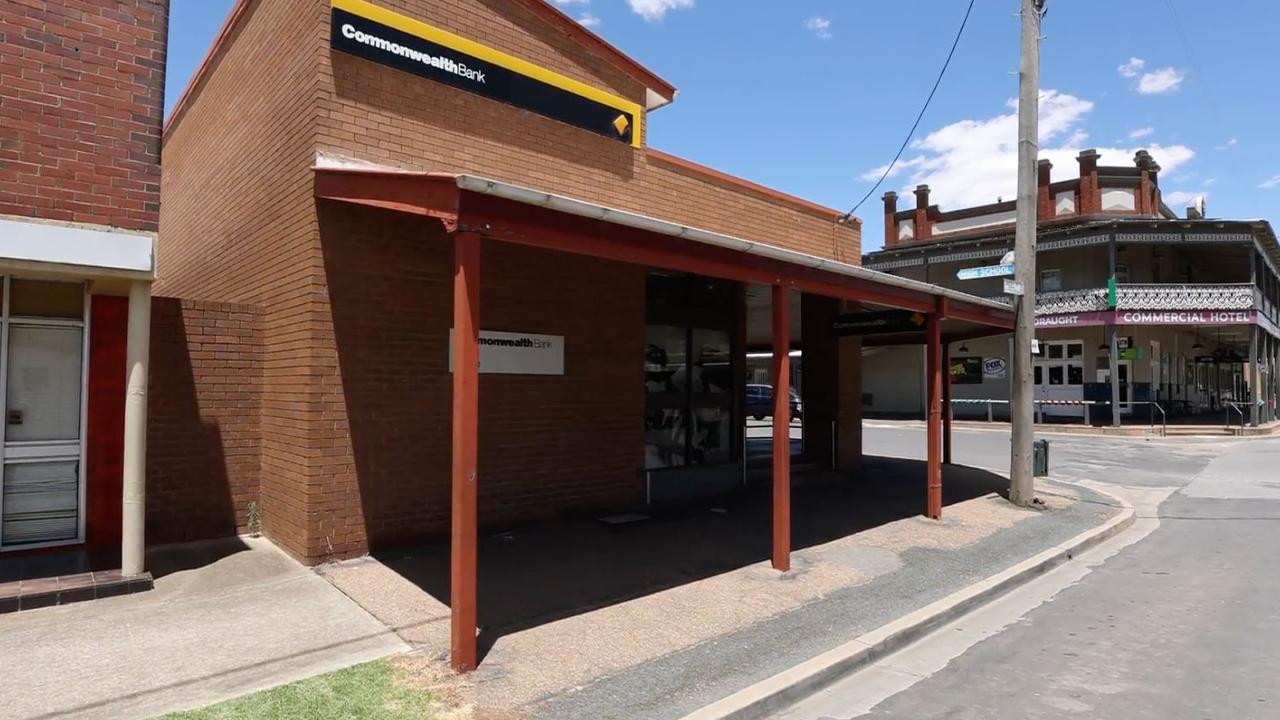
1022	486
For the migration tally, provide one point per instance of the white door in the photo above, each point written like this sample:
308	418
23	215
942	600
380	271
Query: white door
1124	367
42	363
1059	375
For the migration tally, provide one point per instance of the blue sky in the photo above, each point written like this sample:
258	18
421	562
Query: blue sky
812	96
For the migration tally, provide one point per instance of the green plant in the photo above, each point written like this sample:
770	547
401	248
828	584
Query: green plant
254	520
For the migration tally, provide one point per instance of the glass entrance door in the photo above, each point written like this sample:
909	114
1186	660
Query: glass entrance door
42	363
688	371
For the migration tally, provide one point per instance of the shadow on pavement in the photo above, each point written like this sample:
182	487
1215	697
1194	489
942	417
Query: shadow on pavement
539	574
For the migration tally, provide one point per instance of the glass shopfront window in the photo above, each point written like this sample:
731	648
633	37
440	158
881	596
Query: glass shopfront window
688	371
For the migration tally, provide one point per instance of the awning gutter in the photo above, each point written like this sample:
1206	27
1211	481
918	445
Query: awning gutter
538	198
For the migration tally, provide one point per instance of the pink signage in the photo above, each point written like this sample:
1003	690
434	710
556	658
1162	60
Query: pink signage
1073	319
1149	317
1185	317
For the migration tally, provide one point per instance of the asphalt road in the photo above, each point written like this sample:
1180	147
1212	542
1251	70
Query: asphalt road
1179	620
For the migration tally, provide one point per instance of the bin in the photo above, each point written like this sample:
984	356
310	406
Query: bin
1041	458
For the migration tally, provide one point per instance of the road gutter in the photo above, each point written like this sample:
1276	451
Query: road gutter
789	686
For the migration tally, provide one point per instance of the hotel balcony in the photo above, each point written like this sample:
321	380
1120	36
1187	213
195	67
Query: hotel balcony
1154	297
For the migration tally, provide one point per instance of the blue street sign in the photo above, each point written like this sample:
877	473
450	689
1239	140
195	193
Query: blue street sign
987	271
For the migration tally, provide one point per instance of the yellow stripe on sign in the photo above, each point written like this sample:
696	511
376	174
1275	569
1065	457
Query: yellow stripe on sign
433	34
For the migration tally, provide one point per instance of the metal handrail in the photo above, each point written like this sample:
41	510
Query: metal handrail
1164	419
1164	416
1086	404
1231	405
975	401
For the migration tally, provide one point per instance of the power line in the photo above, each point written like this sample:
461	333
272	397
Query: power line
1196	67
920	116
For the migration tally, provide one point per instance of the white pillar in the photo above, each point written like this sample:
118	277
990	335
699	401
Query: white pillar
133	534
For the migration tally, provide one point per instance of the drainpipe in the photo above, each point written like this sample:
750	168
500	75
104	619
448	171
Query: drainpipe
137	352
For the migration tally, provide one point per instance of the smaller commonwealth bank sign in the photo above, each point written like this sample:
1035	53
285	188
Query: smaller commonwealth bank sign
388	38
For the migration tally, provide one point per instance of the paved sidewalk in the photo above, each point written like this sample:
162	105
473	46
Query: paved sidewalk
665	652
243	617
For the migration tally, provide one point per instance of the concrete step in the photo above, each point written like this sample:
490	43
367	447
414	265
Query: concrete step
1201	431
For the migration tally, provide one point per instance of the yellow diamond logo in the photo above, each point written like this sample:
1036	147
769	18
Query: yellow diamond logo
621	124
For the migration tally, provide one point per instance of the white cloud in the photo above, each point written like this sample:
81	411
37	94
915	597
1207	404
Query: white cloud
972	162
1179	199
1229	144
652	10
1270	182
1131	68
572	2
588	20
1209	182
1141	133
1160	81
819	26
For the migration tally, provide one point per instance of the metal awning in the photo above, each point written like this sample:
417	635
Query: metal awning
513	213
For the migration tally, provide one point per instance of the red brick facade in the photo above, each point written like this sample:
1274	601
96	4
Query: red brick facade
355	304
549	445
203	419
81	96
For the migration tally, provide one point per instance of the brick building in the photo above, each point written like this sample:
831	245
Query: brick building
81	95
478	297
1193	323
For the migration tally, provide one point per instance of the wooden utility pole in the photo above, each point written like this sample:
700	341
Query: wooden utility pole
1022	487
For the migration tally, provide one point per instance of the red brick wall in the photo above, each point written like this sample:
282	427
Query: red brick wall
238	225
371	112
81	97
203	419
353	305
548	444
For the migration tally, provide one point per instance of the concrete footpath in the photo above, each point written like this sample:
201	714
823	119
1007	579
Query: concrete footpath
224	619
667	653
899	570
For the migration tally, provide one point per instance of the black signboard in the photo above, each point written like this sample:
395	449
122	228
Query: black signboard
966	371
426	51
877	323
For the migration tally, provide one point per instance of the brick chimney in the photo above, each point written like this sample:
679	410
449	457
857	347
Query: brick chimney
1090	199
890	219
1155	188
1148	191
923	230
1044	199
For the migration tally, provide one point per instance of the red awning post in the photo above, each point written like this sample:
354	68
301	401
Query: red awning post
946	403
466	415
933	351
781	428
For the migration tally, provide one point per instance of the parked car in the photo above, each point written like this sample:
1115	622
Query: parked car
760	402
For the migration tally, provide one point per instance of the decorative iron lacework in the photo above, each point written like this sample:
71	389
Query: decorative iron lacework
970	255
1185	297
1071	301
1083	241
1149	297
894	264
1219	237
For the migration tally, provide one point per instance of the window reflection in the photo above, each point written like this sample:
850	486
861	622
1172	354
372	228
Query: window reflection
688	370
712	386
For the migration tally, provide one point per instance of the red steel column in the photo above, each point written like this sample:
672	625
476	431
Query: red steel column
781	428
934	433
466	415
946	403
